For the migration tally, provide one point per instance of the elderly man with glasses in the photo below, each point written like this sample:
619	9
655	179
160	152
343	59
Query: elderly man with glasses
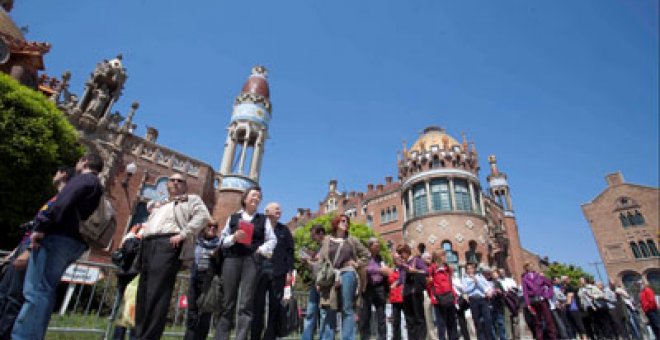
167	241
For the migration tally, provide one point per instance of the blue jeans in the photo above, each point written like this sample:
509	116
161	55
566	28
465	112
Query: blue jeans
311	314
498	324
329	316
45	268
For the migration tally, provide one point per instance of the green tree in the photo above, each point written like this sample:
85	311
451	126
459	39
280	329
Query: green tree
35	138
303	241
557	269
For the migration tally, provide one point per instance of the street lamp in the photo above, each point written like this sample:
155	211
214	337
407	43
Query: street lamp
131	169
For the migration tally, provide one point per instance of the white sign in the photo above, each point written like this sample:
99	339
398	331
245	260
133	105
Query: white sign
82	274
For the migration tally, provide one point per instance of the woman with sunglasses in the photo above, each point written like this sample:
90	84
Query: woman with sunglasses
201	273
347	254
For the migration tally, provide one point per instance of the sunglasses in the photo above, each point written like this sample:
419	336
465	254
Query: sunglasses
176	180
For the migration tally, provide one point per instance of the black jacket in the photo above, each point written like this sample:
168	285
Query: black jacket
77	201
283	254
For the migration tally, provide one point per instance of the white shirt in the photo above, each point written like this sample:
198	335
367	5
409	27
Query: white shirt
508	283
270	240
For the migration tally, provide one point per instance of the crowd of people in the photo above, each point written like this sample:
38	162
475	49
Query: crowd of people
235	269
434	300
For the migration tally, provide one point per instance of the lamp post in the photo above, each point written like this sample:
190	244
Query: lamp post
131	169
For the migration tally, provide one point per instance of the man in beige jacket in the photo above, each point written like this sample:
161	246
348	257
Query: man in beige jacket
167	242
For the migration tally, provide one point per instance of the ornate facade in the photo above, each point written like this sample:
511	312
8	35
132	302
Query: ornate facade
438	200
624	222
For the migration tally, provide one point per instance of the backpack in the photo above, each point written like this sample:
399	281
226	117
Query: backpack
97	230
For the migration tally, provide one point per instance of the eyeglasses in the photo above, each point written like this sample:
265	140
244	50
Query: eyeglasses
343	221
177	180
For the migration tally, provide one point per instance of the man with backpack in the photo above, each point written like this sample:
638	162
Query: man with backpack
55	243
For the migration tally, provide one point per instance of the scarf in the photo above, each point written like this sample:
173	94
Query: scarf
203	250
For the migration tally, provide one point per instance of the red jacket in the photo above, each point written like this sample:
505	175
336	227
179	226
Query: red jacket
441	276
396	293
647	299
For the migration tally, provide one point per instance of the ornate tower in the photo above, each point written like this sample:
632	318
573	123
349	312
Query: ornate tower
499	187
244	147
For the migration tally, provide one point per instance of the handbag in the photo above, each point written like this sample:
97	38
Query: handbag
326	275
288	318
445	299
210	300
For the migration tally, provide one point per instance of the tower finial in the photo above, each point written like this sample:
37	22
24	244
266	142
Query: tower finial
465	143
493	165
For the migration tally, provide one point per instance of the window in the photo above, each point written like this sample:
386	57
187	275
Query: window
635	250
463	202
395	215
644	249
419	200
440	195
652	248
450	254
370	221
638	219
383	217
624	220
631	219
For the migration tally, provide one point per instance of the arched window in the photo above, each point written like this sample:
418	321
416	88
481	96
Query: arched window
624	220
630	280
644	249
653	277
440	195
419	200
635	250
631	218
652	248
638	219
450	254
463	201
436	162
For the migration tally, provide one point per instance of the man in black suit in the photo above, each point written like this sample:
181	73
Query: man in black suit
274	273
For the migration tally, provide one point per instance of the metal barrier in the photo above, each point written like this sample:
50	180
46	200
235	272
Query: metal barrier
87	307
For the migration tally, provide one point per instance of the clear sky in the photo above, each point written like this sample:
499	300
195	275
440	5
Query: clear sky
563	92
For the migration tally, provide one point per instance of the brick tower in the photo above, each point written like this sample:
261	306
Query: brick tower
244	147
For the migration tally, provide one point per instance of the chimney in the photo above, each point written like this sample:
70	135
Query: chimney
333	185
379	188
308	213
614	179
301	211
152	134
360	195
370	187
388	180
351	194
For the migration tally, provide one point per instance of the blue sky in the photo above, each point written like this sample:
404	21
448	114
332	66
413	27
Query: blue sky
563	92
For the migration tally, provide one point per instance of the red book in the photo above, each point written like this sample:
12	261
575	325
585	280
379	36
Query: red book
248	229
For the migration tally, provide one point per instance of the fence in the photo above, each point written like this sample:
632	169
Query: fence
88	292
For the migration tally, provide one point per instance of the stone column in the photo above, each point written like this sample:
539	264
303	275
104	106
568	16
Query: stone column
403	206
410	202
241	162
481	203
256	156
452	194
508	199
429	202
472	199
228	156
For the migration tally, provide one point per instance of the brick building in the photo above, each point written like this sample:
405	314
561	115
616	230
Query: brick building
624	222
438	199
